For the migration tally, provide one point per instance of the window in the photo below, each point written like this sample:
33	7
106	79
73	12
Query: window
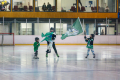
101	27
22	5
66	6
26	29
6	28
5	5
106	27
87	5
111	28
59	28
42	26
16	28
22	26
118	5
36	26
89	26
45	5
62	26
107	5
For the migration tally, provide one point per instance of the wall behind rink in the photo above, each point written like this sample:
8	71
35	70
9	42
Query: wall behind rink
105	39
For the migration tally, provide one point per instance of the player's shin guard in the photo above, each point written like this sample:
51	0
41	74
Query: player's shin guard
36	53
93	53
35	57
87	53
46	54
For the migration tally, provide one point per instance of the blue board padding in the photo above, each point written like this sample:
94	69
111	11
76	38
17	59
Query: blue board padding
119	15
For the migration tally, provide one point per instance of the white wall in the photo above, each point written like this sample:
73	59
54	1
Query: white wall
102	3
24	2
42	28
85	2
66	4
29	39
105	39
106	1
58	5
41	2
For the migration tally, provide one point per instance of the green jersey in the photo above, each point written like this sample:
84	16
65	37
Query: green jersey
89	42
36	46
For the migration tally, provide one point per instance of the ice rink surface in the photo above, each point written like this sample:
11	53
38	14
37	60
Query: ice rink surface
17	63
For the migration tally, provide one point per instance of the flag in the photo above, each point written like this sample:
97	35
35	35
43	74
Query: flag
48	36
76	29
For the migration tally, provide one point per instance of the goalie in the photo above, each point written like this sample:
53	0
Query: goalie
50	38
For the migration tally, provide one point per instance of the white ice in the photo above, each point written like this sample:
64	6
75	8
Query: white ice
16	63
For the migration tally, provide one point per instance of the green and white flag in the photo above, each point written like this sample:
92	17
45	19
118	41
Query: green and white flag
48	36
76	29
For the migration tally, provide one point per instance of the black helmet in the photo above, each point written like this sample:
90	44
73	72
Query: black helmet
36	38
52	29
92	35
